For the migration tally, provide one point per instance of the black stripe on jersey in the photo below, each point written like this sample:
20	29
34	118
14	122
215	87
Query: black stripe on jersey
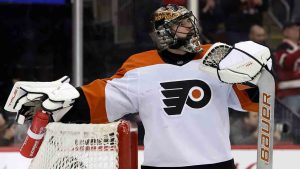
80	112
222	165
176	59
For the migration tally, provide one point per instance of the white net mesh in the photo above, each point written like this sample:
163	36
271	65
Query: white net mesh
214	56
78	146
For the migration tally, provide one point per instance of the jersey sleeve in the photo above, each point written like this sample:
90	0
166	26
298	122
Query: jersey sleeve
242	100
106	100
110	99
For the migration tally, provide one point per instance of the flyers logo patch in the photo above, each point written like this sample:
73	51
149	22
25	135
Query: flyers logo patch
195	93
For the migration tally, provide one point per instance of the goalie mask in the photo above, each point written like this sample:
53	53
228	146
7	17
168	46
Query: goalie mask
166	23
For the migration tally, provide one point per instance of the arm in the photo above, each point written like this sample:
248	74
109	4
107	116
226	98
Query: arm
101	101
245	98
250	92
105	100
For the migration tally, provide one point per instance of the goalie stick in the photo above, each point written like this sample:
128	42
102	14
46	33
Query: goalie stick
265	82
266	85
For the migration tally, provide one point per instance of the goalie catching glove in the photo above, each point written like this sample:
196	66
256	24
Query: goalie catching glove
241	63
55	97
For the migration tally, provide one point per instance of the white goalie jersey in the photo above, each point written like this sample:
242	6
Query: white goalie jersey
184	111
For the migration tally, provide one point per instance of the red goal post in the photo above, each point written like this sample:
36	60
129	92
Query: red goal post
128	146
110	146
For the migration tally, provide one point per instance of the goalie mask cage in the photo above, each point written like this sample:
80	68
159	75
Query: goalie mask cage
88	146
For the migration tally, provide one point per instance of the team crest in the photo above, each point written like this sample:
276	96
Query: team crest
194	93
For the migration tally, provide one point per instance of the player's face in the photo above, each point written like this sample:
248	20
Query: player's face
292	33
183	28
259	36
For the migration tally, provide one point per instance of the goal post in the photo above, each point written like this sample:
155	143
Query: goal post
88	146
128	146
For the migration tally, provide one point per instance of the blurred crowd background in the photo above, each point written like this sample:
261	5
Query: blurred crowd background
36	45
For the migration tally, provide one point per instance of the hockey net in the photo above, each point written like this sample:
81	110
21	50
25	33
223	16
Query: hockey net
88	146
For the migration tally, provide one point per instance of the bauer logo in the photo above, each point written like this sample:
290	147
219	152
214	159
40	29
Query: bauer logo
194	93
266	128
